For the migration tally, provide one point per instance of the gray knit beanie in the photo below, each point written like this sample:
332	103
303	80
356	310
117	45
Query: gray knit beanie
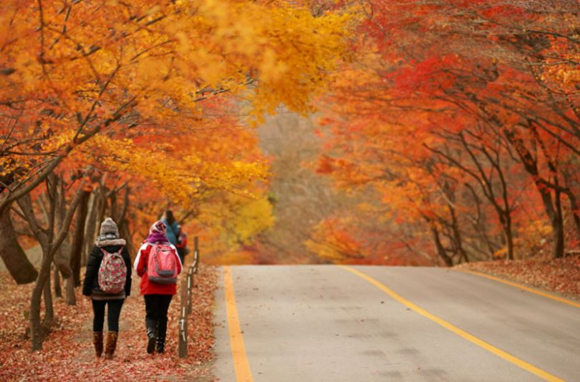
109	234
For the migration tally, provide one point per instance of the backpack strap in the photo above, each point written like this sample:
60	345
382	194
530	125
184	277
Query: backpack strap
113	253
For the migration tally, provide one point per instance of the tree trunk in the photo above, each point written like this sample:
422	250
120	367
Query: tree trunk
113	206
78	238
558	227
550	207
71	298
102	211
480	228
96	217
62	260
50	242
457	235
440	249
20	268
57	288
35	326
577	221
125	233
123	224
124	208
89	228
63	256
41	286
575	207
509	237
48	306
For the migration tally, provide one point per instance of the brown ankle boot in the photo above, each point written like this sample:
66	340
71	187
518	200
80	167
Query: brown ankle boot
98	342
111	344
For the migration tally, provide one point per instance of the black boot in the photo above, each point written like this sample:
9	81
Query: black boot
160	345
151	338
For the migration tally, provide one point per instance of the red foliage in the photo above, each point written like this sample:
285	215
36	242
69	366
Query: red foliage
429	75
325	165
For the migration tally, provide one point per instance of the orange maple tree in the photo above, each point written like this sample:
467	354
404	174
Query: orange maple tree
452	111
89	88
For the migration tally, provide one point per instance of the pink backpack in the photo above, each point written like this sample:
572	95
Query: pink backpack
162	264
112	272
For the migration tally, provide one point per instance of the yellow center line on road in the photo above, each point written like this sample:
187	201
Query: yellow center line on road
500	353
241	364
519	286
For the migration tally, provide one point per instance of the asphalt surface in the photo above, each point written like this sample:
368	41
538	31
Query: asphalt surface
324	323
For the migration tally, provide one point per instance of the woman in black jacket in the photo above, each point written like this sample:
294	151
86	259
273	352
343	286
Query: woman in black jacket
110	242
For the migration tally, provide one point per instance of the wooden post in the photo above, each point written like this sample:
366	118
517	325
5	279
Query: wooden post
191	272
183	320
186	301
189	288
195	253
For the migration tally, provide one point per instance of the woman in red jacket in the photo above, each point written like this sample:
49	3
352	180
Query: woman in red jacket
157	295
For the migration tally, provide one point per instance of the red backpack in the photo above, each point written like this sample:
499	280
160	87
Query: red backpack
112	272
162	264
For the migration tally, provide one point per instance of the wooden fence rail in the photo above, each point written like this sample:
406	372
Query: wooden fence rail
186	295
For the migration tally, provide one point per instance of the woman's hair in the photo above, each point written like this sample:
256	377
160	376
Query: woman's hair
169	217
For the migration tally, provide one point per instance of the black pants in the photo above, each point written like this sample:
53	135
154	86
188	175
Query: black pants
181	252
156	307
113	314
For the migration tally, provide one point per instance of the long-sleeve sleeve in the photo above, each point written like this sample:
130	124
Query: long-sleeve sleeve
141	260
129	279
92	271
180	265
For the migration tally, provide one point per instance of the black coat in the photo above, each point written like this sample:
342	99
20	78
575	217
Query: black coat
91	282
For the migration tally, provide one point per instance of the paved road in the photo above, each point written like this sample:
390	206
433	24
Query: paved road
326	323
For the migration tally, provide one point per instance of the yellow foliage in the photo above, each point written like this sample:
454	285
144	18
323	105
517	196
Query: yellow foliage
148	91
238	219
80	69
251	219
333	241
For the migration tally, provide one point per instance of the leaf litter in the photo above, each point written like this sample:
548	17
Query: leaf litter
68	353
561	276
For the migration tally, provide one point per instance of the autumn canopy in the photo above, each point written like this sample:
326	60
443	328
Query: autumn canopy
424	133
122	108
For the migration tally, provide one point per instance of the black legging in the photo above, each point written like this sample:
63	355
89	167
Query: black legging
113	314
156	307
